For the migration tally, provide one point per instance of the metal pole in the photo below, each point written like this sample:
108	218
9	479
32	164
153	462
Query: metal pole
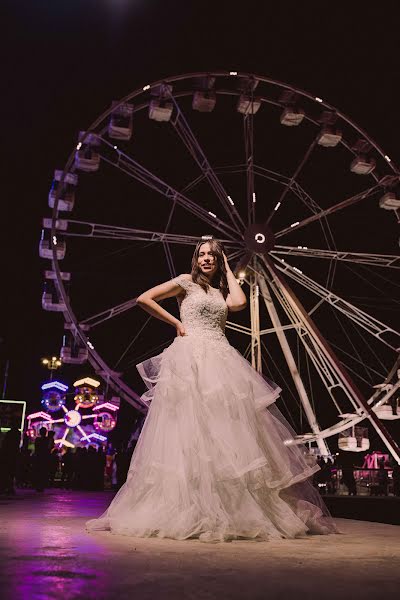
6	370
298	382
255	325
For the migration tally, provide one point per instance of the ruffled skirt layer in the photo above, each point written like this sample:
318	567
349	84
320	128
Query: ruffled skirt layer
214	459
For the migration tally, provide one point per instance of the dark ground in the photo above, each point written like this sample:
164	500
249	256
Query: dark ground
46	554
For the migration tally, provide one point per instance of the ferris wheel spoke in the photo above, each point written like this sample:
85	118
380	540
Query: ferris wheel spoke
192	144
149	353
248	131
292	180
131	167
133	340
109	313
82	432
65	434
295	187
235	254
169	259
360	317
361	363
74	228
237	168
378	260
333	209
167	249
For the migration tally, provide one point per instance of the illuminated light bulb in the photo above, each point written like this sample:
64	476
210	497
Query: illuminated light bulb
55	240
146	87
115	147
297	270
254	197
319	99
232	72
90	345
387	158
79	146
277	206
72	418
231	201
212	214
260	238
294	224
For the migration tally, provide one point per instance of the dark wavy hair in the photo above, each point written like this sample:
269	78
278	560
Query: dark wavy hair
220	280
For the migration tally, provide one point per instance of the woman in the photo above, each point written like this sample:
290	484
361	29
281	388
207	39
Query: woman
212	461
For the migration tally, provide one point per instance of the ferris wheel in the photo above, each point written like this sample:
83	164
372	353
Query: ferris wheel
306	204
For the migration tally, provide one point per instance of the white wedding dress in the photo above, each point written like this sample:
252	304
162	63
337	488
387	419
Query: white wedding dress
212	461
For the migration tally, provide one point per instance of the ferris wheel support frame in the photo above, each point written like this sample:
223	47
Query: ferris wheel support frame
138	172
256	362
383	433
298	382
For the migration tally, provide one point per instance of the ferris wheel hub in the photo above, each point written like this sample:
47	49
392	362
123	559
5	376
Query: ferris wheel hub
259	238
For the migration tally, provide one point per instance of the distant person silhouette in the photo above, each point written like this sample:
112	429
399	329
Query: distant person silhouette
67	469
8	459
41	460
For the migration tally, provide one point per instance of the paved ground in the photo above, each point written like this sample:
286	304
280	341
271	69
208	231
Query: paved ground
45	553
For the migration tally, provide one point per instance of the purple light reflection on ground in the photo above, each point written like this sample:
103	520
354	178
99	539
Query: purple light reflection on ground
50	548
45	553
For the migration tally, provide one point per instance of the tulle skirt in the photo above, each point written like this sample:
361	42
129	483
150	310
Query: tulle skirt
214	459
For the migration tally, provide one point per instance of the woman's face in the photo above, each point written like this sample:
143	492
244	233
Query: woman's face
207	261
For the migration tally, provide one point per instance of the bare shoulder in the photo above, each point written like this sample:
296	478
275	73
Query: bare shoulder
184	281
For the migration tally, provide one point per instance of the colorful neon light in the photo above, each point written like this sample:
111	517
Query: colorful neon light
96	436
108	405
39	415
55	384
87	381
63	442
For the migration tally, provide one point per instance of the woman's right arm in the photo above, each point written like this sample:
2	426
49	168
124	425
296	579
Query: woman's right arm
149	302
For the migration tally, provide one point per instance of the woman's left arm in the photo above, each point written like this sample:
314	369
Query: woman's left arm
236	299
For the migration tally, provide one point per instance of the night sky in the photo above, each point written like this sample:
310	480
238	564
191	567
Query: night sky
63	64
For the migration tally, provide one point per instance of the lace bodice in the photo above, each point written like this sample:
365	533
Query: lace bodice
202	313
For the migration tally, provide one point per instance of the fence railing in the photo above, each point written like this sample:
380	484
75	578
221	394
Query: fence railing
363	482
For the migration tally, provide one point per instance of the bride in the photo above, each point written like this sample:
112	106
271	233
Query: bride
212	461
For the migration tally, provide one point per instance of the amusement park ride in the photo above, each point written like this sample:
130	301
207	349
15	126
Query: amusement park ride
289	242
87	420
